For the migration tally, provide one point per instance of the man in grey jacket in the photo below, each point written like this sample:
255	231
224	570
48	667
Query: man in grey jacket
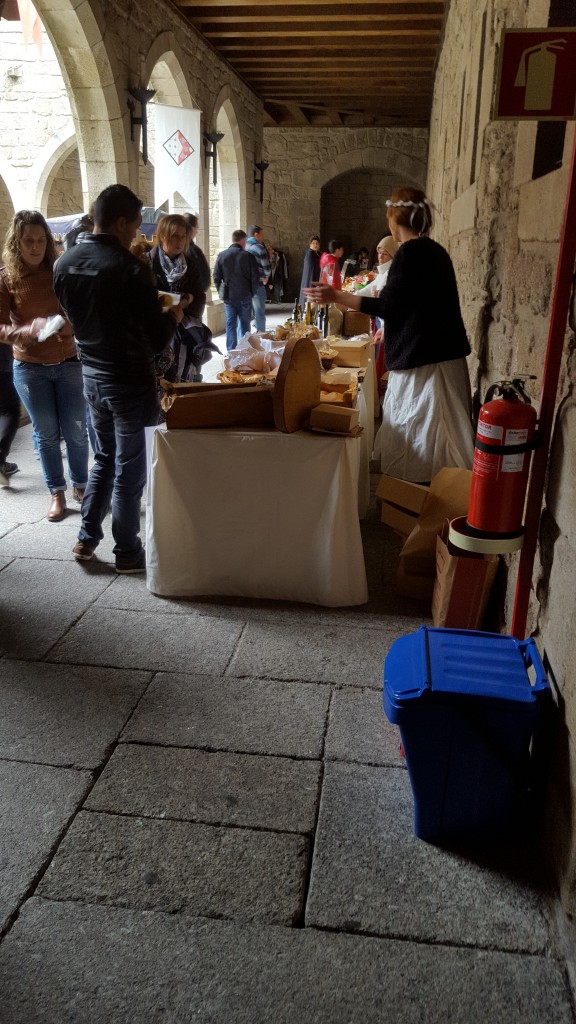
237	278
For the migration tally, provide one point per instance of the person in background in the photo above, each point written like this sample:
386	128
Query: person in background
9	414
174	272
47	373
330	264
256	245
311	268
426	414
358	263
80	229
194	252
237	278
119	325
385	253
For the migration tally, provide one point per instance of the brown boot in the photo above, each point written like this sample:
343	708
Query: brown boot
57	509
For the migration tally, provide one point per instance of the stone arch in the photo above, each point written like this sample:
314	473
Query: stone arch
228	207
46	166
404	168
90	72
8	192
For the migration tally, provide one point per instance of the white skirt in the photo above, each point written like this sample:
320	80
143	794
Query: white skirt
426	421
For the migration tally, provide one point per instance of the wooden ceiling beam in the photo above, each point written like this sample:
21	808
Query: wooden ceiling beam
263	33
211	20
333	5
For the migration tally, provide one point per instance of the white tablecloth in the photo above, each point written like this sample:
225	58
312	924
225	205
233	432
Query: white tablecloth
255	514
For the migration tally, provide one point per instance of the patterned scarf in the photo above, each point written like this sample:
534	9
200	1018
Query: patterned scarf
173	269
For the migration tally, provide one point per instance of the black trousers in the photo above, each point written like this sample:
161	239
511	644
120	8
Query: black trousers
9	413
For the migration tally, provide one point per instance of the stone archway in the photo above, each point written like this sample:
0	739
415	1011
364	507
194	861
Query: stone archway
228	198
46	170
90	73
352	208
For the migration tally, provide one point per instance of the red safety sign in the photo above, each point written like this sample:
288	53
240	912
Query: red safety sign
537	77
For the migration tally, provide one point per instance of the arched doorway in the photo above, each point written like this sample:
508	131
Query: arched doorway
352	207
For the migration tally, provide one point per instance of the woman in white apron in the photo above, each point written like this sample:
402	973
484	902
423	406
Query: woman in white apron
426	415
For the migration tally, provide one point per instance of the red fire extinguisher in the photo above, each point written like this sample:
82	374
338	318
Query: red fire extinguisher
504	440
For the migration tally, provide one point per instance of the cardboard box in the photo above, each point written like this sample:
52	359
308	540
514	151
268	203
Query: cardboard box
351	351
402	503
447	498
334	417
462	586
235	406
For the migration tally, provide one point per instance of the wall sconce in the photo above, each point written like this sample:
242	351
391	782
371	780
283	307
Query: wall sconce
262	167
210	154
143	96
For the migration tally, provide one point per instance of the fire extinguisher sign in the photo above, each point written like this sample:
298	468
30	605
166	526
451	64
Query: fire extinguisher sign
536	77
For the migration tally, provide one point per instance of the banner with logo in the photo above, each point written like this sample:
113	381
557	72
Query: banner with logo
177	155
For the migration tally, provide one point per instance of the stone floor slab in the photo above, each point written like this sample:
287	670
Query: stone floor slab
358	729
180	867
64	714
41	599
148	641
216	788
69	964
243	715
371	874
321	653
36	802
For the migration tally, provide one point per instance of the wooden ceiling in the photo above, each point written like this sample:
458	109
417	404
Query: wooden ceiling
330	62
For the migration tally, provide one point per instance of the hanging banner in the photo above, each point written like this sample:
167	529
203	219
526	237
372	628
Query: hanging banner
177	155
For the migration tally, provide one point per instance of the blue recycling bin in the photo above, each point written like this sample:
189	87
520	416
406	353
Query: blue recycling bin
468	704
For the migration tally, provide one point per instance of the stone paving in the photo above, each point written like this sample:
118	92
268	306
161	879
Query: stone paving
205	816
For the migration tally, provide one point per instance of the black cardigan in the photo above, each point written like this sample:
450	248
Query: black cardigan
420	308
191	283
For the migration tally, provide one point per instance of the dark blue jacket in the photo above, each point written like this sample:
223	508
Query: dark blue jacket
236	274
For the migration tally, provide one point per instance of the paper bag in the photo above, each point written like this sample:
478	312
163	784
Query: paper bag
463	584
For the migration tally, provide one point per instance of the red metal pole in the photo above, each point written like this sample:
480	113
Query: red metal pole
556	333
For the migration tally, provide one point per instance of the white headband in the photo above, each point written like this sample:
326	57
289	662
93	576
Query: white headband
416	206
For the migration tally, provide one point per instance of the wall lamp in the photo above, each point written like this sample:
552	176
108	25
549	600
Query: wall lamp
143	96
262	167
210	154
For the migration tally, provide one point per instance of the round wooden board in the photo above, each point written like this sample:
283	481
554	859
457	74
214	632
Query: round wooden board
297	387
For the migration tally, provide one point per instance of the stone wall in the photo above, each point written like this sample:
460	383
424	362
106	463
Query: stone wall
502	229
306	161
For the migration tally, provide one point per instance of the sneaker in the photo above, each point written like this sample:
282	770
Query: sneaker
9	468
83	551
131	566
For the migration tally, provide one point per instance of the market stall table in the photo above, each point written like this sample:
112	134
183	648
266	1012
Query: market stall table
255	513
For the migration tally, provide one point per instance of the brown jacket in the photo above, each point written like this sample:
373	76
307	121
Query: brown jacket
22	304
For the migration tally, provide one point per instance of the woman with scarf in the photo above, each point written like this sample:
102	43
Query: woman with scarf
426	415
174	272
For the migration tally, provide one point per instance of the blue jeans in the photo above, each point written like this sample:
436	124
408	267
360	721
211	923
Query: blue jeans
259	308
53	399
119	415
238	313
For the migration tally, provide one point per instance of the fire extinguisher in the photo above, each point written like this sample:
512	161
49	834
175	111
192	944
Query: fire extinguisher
505	437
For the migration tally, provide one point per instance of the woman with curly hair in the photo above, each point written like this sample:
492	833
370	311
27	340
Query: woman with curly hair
426	415
47	372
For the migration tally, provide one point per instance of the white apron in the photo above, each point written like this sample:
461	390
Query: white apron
426	421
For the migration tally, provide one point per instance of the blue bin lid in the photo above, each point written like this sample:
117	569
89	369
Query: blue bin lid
461	662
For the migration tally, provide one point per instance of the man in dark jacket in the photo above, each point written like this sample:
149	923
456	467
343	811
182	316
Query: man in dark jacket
9	414
237	278
112	304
